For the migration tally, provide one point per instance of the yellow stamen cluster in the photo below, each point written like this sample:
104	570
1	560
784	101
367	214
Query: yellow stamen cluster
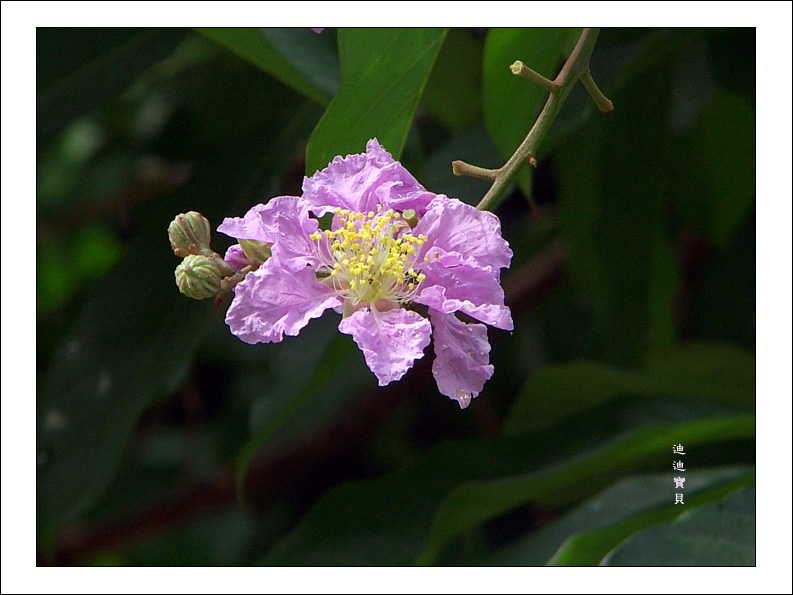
368	259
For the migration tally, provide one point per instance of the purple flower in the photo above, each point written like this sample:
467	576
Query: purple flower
391	245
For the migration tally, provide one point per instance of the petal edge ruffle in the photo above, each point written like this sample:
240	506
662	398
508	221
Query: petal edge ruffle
390	341
272	301
462	357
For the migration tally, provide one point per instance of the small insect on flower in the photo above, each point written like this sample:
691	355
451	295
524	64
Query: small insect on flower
390	244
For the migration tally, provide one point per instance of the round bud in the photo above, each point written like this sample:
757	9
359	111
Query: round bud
189	234
198	277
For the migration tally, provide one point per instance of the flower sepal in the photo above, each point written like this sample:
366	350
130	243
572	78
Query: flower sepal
256	252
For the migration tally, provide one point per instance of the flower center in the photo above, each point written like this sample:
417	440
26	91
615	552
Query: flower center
370	257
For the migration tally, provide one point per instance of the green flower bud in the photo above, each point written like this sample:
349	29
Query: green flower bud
189	234
256	252
198	277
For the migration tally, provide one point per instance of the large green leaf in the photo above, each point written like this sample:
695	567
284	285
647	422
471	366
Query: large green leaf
125	349
717	181
719	534
291	65
618	58
289	399
702	371
78	69
475	502
386	521
724	301
587	533
383	74
611	175
453	93
136	334
197	542
314	55
589	548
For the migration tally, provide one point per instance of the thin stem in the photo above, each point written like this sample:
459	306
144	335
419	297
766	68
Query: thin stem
229	283
461	168
225	268
520	69
604	103
576	66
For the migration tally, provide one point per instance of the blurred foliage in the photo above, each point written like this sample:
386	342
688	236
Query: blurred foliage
164	440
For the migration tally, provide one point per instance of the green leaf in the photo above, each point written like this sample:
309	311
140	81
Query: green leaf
133	339
79	69
589	548
717	182
511	103
587	533
611	176
453	92
719	534
253	46
62	268
197	542
129	346
383	74
617	59
325	353
124	351
724	301
664	282
702	371
315	56
473	503
386	521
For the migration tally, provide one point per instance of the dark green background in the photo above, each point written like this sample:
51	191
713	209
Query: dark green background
164	440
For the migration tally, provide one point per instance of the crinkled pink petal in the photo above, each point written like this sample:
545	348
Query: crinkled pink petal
455	226
284	222
272	301
236	257
455	284
462	356
253	226
360	182
293	226
390	341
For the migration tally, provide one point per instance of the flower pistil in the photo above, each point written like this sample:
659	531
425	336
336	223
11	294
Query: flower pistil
370	257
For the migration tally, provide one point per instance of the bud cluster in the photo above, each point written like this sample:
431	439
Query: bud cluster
203	273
